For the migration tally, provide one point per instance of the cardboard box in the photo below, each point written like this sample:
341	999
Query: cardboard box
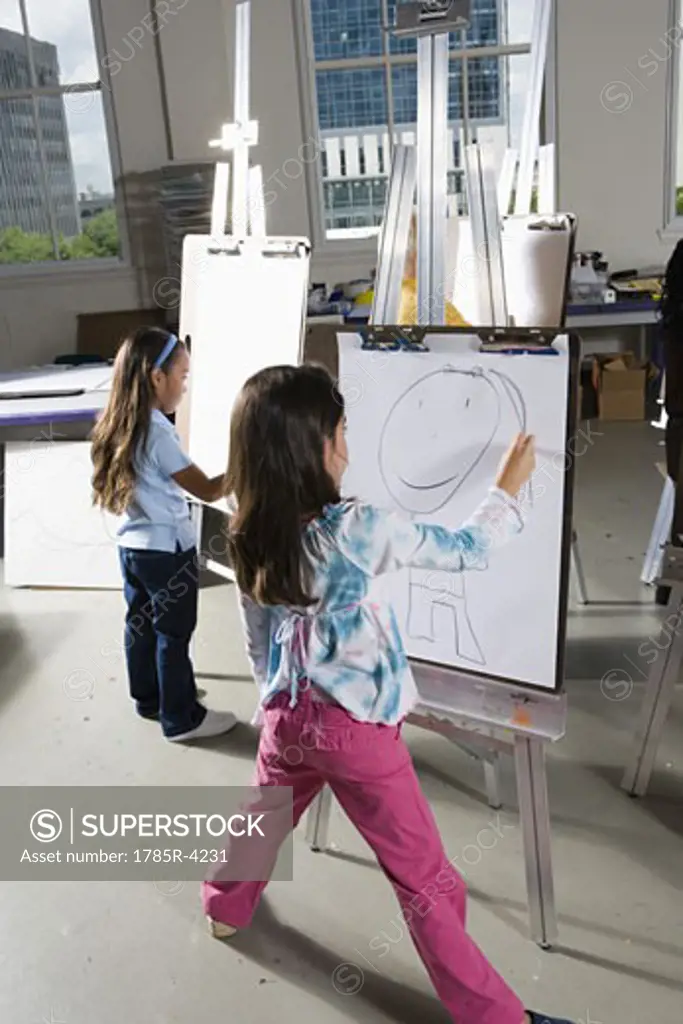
100	334
619	381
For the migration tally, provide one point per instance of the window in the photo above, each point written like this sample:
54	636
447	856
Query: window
656	60
366	85
54	152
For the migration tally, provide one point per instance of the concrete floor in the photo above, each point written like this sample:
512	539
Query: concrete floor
103	954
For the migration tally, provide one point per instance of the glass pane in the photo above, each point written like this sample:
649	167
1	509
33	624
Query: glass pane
404	81
485	25
484	79
92	175
520	17
63	43
14	71
346	28
10	15
516	72
24	221
455	91
80	187
356	98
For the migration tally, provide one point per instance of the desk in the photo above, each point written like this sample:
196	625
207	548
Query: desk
53	535
643	315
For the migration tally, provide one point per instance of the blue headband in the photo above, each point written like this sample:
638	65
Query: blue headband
168	348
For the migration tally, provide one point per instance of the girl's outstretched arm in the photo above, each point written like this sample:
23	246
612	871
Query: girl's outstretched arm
380	542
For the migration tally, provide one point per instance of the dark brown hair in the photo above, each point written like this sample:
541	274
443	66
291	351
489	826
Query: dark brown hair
277	476
123	428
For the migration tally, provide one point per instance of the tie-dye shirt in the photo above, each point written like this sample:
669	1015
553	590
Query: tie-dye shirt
348	644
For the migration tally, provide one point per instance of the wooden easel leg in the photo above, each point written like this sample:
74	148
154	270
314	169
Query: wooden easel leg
534	814
658	697
318	821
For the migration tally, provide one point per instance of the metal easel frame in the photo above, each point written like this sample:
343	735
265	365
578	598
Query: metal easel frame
661	684
248	209
483	202
540	42
394	237
661	531
479	714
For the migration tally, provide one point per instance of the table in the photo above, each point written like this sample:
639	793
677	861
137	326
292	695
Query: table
53	535
641	314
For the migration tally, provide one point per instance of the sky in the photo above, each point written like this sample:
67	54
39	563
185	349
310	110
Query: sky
67	24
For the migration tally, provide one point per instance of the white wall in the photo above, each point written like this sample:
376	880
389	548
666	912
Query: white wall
611	164
612	111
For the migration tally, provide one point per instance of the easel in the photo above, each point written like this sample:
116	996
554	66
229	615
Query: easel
483	714
661	532
248	265
661	684
471	711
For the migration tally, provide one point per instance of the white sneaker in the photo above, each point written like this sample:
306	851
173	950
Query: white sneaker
215	723
219	930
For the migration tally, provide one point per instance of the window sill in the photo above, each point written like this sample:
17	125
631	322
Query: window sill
18	275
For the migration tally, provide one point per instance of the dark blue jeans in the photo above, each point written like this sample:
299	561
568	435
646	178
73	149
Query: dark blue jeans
161	592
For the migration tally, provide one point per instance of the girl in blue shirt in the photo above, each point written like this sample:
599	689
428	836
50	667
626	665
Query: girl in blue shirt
335	681
141	474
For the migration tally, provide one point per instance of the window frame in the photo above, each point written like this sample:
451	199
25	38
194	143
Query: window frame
672	221
76	268
334	248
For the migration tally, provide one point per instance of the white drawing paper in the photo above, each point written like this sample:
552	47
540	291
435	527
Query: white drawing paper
426	433
243	313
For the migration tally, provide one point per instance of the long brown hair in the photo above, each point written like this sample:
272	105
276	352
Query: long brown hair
277	476
123	428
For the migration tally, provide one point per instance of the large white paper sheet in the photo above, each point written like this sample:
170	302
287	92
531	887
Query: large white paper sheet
243	313
426	435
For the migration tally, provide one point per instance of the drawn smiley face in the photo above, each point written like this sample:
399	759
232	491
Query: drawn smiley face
436	434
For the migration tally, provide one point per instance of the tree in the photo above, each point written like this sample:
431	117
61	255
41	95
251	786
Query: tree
100	238
18	246
102	232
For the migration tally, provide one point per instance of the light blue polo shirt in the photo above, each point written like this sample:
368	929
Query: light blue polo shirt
158	518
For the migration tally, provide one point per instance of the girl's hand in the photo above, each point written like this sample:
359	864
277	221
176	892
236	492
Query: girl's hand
518	465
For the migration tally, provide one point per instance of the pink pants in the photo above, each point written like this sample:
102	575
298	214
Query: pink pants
371	773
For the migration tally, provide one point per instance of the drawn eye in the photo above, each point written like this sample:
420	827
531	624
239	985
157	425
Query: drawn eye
420	403
467	403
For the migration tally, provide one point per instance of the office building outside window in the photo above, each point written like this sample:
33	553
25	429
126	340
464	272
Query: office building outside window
366	96
56	188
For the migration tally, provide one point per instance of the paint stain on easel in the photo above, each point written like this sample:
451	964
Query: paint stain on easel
521	717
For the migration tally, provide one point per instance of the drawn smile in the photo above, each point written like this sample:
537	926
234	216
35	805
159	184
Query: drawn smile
429	487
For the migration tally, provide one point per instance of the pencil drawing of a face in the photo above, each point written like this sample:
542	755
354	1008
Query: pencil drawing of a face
437	433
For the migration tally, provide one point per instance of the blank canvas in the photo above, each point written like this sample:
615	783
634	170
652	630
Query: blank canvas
243	312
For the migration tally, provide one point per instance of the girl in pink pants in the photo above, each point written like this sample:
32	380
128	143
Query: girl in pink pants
336	683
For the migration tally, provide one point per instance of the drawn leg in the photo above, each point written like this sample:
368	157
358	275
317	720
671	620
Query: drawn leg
431	591
420	625
466	643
